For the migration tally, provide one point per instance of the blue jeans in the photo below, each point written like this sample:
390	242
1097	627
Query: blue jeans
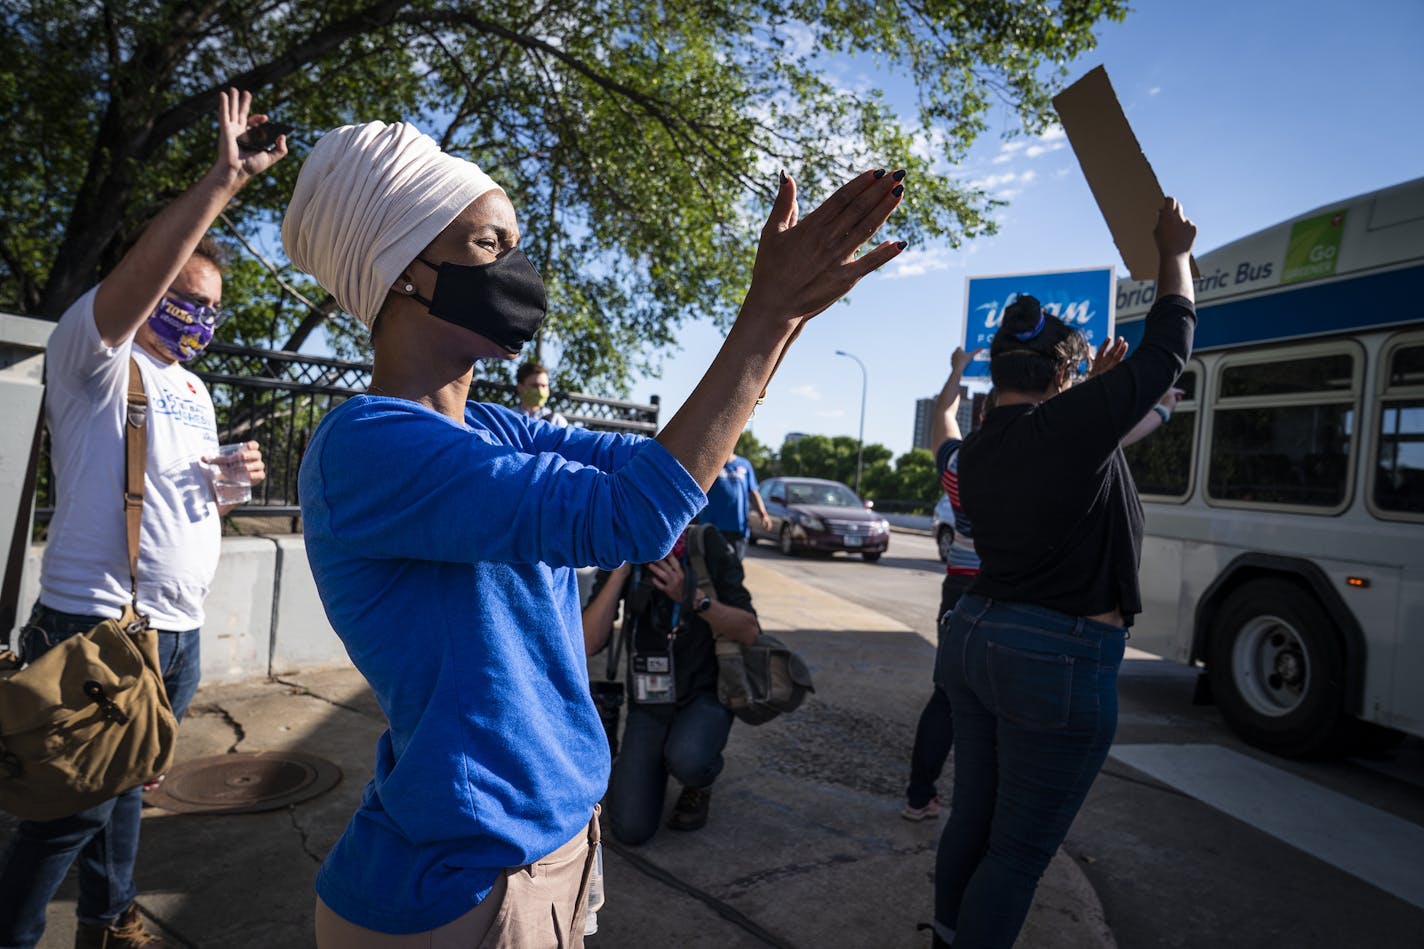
934	734
1034	693
738	542
104	838
684	741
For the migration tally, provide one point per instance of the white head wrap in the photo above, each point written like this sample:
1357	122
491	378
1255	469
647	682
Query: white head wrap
368	200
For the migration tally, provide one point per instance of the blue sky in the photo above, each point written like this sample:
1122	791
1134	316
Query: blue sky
1250	112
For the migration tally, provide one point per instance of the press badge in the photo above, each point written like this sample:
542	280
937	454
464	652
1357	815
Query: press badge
653	682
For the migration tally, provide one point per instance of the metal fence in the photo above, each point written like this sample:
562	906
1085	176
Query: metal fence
278	398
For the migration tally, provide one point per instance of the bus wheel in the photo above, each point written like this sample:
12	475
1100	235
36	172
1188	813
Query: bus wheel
1277	670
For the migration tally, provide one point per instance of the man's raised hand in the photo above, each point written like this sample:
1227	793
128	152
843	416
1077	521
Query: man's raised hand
234	118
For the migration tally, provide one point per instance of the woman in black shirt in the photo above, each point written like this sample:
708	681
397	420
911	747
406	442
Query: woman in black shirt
1031	657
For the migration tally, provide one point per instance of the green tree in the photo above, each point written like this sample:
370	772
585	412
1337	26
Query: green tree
756	453
821	456
638	141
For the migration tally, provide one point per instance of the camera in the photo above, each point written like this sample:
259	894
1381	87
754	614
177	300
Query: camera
608	698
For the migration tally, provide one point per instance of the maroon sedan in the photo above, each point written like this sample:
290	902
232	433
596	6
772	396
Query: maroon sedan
816	514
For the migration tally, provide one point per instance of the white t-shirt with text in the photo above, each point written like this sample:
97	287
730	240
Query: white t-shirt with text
86	560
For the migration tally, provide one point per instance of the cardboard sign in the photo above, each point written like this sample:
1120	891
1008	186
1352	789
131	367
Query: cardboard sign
1117	171
1084	299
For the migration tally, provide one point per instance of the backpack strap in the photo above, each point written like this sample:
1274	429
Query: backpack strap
136	451
727	650
697	556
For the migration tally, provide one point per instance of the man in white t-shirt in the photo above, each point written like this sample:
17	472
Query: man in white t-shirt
160	307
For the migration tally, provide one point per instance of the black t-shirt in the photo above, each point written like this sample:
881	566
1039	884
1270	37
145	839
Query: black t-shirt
1056	517
694	656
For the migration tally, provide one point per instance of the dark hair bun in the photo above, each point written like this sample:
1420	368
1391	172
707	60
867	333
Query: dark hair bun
1021	318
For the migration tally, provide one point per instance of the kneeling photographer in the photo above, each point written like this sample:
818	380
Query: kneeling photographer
676	724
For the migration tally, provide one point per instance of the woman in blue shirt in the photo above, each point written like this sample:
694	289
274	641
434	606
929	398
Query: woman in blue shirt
443	533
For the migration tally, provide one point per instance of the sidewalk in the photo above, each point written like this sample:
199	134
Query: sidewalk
804	848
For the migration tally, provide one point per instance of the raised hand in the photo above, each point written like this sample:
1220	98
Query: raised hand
1110	353
959	360
1175	232
234	118
803	265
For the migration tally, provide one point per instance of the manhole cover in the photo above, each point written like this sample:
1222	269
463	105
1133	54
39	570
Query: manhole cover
244	782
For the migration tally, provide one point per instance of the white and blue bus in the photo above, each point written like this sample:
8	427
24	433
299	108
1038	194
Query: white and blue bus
1285	500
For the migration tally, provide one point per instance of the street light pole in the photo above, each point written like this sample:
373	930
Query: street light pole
860	442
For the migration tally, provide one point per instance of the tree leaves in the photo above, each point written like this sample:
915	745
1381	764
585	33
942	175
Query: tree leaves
638	141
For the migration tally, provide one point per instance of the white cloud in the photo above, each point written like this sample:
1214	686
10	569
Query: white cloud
991	182
832	413
1000	159
1033	151
807	391
1052	133
1027	176
1154	90
917	263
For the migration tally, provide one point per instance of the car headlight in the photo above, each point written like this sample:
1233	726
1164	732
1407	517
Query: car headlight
883	527
812	523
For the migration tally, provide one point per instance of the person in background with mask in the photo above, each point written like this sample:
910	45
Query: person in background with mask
448	568
531	386
159	307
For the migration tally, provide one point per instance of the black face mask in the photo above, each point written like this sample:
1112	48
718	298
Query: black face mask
503	301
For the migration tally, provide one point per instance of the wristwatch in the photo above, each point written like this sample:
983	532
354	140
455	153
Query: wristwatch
1163	411
702	605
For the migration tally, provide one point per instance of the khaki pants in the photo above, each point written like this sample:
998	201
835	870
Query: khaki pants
539	906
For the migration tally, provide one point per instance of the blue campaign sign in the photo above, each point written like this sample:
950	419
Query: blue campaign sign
1084	299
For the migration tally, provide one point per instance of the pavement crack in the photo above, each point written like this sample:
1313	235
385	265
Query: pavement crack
240	733
761	877
303	834
300	689
722	908
173	936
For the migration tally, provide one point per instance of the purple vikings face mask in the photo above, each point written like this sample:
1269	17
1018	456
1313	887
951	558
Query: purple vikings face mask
184	327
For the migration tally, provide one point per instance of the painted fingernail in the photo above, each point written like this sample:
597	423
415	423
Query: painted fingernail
902	244
899	175
897	190
879	173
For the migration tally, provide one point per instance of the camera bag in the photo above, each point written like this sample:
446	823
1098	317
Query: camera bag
90	718
757	682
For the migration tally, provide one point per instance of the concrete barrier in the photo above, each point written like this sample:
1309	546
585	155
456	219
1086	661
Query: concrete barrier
263	613
301	636
237	633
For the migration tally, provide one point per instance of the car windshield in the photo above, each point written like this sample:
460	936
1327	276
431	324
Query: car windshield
831	495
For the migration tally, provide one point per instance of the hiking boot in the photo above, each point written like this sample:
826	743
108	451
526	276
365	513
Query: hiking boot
690	812
126	932
928	812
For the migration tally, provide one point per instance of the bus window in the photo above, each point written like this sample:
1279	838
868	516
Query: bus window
1399	452
1283	429
1162	462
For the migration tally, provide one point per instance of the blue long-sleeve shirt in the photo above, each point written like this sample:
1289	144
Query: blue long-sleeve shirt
443	554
